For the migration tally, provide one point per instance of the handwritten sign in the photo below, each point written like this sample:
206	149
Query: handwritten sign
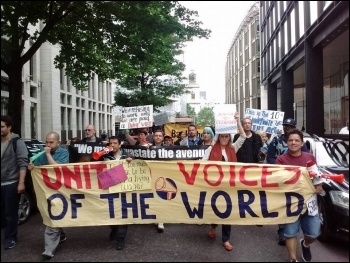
137	117
225	118
138	178
266	120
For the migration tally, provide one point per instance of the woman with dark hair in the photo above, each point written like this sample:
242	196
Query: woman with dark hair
180	136
223	150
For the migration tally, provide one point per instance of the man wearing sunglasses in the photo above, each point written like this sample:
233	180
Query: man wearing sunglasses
90	133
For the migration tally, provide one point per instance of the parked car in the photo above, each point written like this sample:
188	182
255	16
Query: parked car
27	201
332	157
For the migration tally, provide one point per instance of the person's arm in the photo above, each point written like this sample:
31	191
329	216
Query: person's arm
60	157
238	144
22	176
207	153
129	138
239	125
22	162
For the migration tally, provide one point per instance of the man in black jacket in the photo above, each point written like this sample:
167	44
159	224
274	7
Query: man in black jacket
249	152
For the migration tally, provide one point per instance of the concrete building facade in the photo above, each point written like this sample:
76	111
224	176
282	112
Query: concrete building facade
242	70
51	103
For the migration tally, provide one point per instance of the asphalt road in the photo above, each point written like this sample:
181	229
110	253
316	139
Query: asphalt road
179	242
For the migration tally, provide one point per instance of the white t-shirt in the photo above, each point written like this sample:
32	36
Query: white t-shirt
344	130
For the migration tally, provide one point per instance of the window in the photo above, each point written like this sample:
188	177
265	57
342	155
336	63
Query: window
193	95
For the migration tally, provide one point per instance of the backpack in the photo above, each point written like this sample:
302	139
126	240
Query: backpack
14	143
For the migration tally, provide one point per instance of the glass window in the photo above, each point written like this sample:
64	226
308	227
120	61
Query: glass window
313	11
301	18
326	4
292	23
285	38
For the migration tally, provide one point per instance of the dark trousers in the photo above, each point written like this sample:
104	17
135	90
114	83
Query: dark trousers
120	231
9	210
225	232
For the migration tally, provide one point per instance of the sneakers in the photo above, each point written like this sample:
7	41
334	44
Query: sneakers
305	251
281	238
47	255
160	227
62	238
120	245
9	244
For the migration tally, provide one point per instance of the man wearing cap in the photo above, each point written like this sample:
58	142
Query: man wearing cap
168	140
277	147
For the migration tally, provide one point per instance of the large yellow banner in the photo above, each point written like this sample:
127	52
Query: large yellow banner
189	192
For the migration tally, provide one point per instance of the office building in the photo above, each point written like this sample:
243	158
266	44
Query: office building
305	62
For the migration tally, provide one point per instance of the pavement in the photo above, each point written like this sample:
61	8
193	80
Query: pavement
178	243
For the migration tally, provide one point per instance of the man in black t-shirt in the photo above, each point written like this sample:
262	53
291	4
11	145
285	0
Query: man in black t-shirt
249	152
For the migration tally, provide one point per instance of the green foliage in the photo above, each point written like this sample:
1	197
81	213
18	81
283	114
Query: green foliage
109	38
190	110
205	117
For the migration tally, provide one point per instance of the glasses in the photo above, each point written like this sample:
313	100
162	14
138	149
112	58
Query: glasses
88	130
205	132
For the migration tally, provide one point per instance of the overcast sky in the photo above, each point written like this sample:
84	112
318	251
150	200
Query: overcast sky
207	57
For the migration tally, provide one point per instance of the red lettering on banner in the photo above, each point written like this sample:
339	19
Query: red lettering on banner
221	174
232	175
68	175
57	184
296	176
64	176
189	178
264	174
242	173
86	171
263	171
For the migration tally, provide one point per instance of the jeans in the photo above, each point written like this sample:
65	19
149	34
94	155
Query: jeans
310	226
52	239
225	232
120	231
9	210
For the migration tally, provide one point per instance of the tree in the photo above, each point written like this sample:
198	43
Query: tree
154	75
191	112
205	117
94	36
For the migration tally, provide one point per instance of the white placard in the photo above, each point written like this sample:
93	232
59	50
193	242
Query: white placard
137	117
225	118
268	121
